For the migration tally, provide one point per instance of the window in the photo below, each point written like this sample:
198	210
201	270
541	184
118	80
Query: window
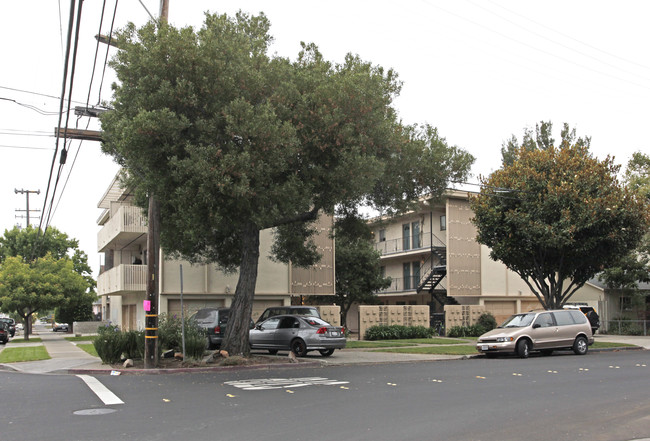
626	303
415	228
406	236
382	271
416	274
563	318
544	320
443	222
407	275
382	235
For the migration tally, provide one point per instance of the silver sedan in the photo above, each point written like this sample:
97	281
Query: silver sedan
298	334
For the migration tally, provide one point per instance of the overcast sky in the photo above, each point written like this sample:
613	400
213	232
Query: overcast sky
480	71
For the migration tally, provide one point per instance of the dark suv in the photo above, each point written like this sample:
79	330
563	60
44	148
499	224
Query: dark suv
4	333
11	325
214	321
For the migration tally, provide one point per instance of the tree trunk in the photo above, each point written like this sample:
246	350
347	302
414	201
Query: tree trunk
236	338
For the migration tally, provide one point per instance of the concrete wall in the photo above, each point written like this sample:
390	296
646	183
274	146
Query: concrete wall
87	327
462	315
405	315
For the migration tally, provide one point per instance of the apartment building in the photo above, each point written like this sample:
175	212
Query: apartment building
121	283
434	259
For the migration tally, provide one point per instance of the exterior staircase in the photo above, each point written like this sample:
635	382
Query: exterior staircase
432	271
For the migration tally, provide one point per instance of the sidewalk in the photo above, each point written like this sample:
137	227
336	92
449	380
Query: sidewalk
67	358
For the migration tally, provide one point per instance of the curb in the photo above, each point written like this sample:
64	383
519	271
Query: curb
206	369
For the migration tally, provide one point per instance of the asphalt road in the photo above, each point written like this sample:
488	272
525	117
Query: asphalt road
600	396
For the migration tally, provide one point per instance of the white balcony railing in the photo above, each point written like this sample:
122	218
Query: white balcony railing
127	219
122	278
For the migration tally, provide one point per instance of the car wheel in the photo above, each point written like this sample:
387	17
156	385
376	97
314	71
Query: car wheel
547	351
523	348
299	347
326	352
580	346
273	351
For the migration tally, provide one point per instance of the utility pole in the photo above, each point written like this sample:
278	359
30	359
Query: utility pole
26	193
153	261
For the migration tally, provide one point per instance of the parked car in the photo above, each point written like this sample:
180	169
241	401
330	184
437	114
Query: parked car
214	321
542	331
60	327
298	334
590	313
307	311
4	332
20	327
11	325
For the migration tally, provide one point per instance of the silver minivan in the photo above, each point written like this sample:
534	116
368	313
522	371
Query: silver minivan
542	331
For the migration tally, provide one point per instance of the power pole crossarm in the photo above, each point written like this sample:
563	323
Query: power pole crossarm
85	135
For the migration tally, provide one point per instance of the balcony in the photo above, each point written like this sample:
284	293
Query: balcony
408	243
122	278
124	227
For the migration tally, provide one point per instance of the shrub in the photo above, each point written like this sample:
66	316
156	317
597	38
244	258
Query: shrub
487	321
108	344
398	332
466	331
624	326
170	335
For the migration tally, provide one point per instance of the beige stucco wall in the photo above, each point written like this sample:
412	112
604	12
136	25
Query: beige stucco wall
463	252
319	278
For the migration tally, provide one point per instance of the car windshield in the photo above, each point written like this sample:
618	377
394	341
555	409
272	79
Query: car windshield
518	321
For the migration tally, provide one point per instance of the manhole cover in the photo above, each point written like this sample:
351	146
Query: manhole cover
103	411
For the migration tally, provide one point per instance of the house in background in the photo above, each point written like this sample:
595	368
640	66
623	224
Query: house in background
121	284
434	259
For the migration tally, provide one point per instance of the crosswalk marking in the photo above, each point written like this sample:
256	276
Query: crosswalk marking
280	383
100	390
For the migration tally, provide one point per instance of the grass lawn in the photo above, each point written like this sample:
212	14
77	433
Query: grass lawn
357	344
82	338
33	353
438	350
607	344
88	347
31	340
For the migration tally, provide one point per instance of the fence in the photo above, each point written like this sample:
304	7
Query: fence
626	327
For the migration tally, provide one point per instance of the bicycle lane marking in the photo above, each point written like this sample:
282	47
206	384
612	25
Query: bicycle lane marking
102	392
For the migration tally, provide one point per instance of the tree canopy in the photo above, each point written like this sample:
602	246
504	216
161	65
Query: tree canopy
634	267
232	140
543	140
40	271
557	217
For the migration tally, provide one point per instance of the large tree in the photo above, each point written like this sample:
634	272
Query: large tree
557	217
40	285
634	267
31	244
232	140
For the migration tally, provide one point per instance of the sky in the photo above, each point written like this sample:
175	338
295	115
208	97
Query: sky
478	70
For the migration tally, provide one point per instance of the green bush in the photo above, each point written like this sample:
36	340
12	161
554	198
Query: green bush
487	321
108	344
466	331
170	335
398	332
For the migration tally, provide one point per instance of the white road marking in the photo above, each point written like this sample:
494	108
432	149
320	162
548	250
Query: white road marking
282	383
100	390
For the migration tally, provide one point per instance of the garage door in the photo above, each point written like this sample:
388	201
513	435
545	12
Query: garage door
191	306
501	310
530	305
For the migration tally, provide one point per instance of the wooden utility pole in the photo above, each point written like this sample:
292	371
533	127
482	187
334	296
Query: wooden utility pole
26	193
153	262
